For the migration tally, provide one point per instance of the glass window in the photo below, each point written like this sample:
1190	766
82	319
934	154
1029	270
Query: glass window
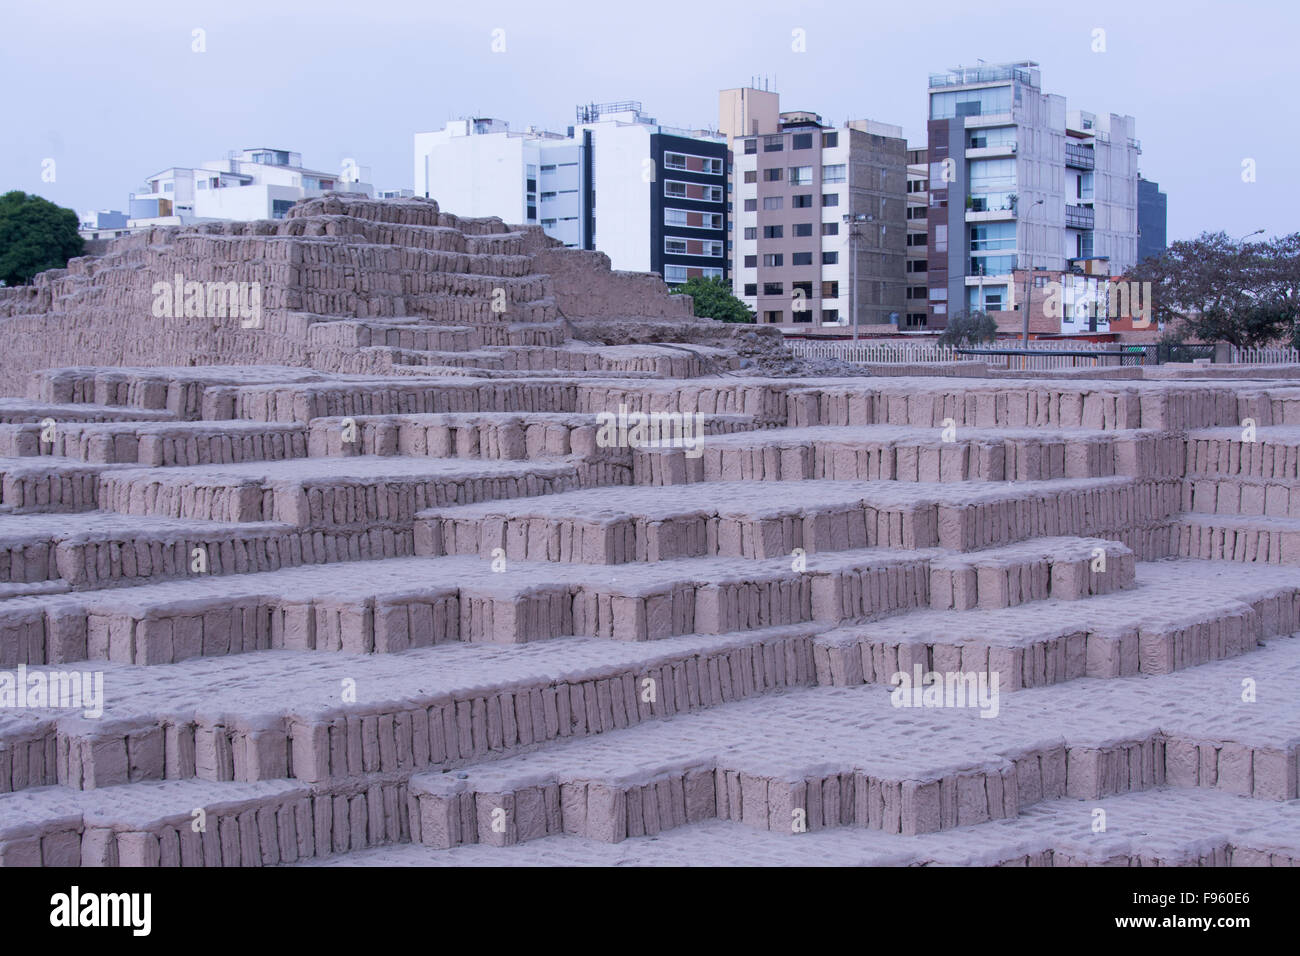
830	229
751	205
802	202
774	260
980	102
830	199
751	288
751	146
837	173
830	258
751	262
773	288
772	175
773	144
773	232
803	229
751	175
801	141
751	232
801	258
800	175
773	202
830	140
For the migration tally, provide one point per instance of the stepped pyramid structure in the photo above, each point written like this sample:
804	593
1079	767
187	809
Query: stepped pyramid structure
375	563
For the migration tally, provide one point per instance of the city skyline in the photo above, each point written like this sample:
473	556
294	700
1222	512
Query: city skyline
409	69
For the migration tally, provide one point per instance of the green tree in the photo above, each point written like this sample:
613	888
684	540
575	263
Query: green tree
1219	289
969	328
714	300
35	235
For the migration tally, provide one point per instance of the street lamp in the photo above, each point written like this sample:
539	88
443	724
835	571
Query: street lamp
1257	232
852	220
1024	318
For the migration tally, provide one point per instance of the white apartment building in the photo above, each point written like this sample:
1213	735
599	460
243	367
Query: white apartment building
1017	181
251	184
652	198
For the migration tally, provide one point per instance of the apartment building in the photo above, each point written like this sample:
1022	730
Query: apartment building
918	257
1153	211
1017	181
651	197
820	228
257	183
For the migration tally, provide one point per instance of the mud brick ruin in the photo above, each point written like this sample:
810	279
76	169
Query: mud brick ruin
364	584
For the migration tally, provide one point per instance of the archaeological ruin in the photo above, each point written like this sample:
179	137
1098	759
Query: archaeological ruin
314	549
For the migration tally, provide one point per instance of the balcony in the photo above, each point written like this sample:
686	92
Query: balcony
1079	157
1078	217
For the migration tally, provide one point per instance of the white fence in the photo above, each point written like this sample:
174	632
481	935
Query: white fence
904	353
1269	356
1104	354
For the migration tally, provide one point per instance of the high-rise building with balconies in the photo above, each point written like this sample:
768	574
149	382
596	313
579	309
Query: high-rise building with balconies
1018	182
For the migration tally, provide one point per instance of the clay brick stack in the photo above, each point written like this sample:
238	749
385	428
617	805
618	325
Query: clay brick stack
365	583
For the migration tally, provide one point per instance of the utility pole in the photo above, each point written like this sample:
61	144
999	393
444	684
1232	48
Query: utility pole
852	220
1024	307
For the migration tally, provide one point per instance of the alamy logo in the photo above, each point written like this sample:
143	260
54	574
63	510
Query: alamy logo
651	430
58	689
74	908
951	689
1082	297
209	300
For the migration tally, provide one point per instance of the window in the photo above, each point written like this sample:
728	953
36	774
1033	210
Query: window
674	160
801	259
991	236
712	193
800	175
751	175
774	259
830	229
675	247
713	249
917	265
830	258
773	202
751	205
532	185
751	288
838	173
803	229
772	175
801	288
830	140
547	196
532	212
674	274
751	232
773	232
830	290
773	144
992	136
751	146
801	141
773	288
917	212
830	199
940	238
279	207
803	201
916	239
980	102
773	316
831	316
751	262
674	189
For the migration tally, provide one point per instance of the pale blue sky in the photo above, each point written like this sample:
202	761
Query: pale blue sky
113	92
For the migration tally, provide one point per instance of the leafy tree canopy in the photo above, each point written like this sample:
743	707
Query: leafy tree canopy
1220	289
35	235
714	300
969	328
